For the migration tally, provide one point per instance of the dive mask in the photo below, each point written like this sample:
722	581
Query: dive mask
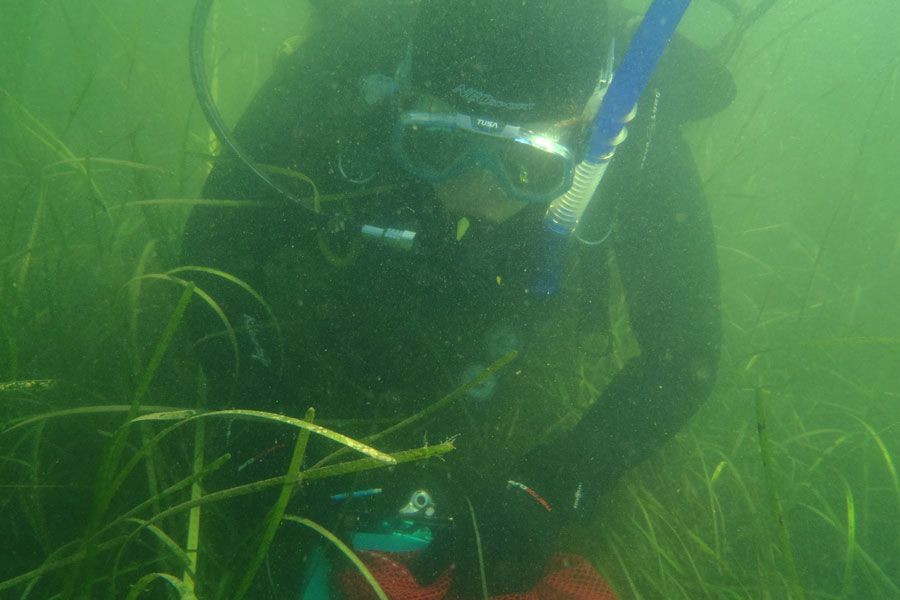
436	147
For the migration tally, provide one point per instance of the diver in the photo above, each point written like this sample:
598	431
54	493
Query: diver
437	133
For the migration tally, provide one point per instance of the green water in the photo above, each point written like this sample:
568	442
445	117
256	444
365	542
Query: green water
97	115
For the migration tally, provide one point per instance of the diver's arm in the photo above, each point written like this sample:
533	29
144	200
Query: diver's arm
665	252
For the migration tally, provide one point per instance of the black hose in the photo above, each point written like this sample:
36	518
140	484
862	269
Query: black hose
201	88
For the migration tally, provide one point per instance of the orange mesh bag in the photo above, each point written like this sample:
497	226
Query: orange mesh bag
568	577
389	570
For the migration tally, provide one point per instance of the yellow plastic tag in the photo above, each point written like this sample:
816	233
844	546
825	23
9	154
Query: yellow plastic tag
461	228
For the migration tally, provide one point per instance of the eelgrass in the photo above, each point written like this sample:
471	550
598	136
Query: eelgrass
479	549
74	567
681	537
876	574
192	544
494	367
257	415
183	589
108	480
220	313
96	541
277	511
810	455
774	496
79	553
851	541
247	288
309	202
340	545
28	385
885	455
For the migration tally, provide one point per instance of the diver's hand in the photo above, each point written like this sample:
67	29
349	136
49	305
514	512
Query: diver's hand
518	532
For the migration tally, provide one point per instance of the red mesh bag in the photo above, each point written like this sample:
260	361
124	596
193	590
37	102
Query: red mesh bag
389	569
568	577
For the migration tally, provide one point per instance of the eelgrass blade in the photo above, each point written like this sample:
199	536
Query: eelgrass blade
858	550
285	172
478	547
54	564
27	385
34	509
134	293
235	492
45	135
224	203
455	394
277	512
885	454
718	471
460	391
662	554
267	416
111	461
197	202
711	496
321	473
184	592
247	288
775	498
57	560
192	481
824	454
364	464
32	239
163	344
359	564
150	466
851	541
232	337
176	487
81	410
355	466
12	348
108	161
193	534
617	541
80	580
676	530
76	106
166	540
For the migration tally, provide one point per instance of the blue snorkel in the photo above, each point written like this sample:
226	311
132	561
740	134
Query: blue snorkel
608	131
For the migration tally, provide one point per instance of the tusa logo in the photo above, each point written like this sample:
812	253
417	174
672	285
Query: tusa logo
487	124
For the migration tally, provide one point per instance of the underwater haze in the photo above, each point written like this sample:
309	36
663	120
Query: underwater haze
783	486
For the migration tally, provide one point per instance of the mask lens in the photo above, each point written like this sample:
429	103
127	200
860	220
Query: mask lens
533	169
432	149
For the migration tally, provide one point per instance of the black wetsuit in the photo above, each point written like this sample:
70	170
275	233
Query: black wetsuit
372	331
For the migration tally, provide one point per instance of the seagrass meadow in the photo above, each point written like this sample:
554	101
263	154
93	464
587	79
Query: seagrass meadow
785	485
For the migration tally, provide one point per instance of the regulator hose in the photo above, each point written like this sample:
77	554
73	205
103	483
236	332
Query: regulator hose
196	45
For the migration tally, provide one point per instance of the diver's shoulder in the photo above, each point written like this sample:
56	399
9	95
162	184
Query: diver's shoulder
693	83
354	37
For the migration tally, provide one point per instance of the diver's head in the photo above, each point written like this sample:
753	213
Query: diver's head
495	96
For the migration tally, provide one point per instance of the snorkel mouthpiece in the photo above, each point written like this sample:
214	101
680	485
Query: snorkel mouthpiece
618	108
